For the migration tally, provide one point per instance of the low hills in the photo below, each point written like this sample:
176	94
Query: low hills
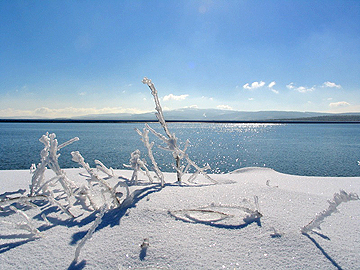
206	115
209	115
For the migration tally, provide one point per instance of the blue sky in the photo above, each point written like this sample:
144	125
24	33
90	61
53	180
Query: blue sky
70	58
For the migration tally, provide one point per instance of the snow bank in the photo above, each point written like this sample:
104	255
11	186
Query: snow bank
192	226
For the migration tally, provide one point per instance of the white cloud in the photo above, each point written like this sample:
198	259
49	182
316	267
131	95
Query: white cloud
210	98
331	85
290	86
251	98
224	107
45	112
173	97
301	89
254	85
339	104
272	84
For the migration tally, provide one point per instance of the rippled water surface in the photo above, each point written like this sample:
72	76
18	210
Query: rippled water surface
303	149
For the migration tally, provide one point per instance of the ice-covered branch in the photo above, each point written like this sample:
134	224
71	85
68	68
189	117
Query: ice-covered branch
171	141
77	157
101	167
159	114
137	164
333	204
90	232
27	200
28	225
199	170
75	139
145	139
49	158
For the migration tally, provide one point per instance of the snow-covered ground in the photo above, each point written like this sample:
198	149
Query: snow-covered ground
192	226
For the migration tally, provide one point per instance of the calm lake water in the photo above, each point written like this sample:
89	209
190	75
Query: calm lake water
301	149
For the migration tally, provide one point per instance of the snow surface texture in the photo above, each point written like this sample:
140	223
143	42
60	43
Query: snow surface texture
252	219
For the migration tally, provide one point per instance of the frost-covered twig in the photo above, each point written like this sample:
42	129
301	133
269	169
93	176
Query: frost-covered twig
145	139
159	114
171	141
21	199
77	157
101	167
333	204
90	231
49	158
27	200
28	224
137	164
199	170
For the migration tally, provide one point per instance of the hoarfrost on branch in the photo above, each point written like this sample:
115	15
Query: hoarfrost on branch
170	141
333	204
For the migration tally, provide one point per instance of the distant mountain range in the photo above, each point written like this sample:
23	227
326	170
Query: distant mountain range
194	114
206	115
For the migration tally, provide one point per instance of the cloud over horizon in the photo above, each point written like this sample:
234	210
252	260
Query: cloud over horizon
45	112
174	97
339	104
224	107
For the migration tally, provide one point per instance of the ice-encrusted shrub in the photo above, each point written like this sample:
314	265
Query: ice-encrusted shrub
137	165
106	188
49	159
170	141
338	198
145	139
42	188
